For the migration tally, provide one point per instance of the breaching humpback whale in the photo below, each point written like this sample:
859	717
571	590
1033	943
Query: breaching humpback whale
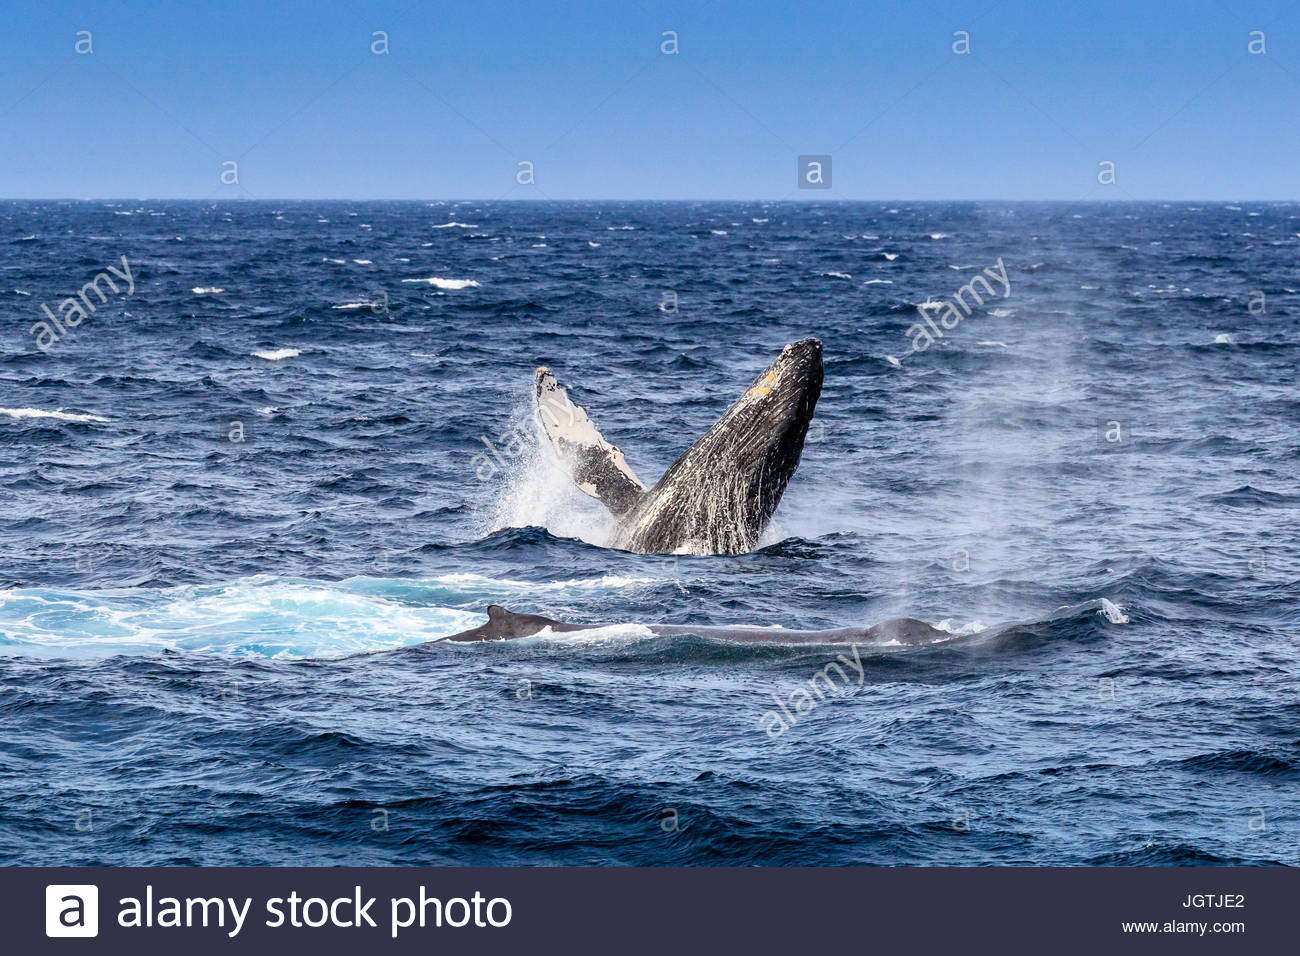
718	496
505	625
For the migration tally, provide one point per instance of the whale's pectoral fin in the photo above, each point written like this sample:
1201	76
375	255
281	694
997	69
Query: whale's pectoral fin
597	467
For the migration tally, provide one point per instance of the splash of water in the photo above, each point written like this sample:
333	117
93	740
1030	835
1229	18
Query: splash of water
535	490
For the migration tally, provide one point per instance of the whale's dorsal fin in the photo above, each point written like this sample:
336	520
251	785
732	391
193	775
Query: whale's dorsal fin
504	624
597	467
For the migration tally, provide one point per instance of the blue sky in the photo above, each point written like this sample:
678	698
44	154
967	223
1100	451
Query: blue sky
1167	91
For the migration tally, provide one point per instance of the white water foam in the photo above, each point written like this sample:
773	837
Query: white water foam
1112	612
277	355
264	616
441	283
60	414
610	634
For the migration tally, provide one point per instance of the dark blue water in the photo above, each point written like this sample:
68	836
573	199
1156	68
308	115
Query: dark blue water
193	534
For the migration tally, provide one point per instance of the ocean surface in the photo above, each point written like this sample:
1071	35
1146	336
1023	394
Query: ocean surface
301	432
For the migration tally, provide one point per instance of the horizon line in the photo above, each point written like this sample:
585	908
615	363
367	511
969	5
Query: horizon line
501	199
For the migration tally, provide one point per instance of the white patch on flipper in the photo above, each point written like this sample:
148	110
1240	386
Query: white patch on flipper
572	434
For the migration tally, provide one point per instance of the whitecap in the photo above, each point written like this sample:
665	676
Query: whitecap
456	225
277	355
879	282
441	283
60	414
363	262
1223	338
893	361
1112	612
891	256
208	290
835	275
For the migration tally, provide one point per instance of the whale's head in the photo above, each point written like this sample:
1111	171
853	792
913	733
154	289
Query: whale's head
787	390
721	492
770	422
